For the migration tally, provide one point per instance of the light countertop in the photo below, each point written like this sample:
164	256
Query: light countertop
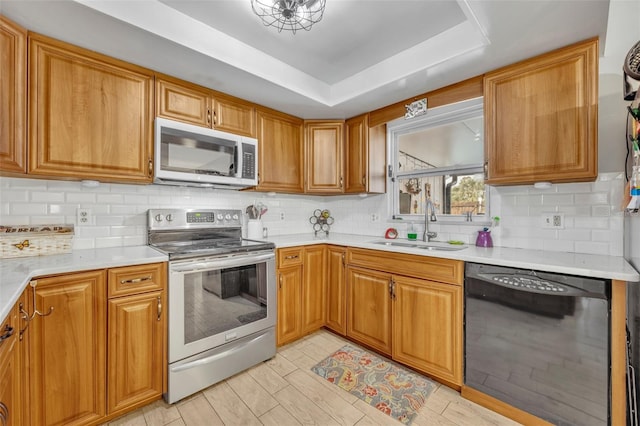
589	265
16	273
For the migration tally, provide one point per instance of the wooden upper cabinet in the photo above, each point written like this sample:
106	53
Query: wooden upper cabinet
182	101
365	156
13	97
324	153
280	152
541	118
90	116
234	115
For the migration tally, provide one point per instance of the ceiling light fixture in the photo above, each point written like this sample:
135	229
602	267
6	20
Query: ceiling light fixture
290	15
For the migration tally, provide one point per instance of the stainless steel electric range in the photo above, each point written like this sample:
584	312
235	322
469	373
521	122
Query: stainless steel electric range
222	296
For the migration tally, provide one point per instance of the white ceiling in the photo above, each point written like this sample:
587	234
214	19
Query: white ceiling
363	55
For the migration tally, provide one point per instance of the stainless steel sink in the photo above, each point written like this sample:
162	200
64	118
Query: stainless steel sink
423	246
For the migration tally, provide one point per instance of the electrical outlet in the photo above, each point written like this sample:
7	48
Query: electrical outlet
83	216
281	215
553	220
375	217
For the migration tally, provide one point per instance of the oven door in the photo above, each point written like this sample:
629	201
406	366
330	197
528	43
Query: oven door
219	299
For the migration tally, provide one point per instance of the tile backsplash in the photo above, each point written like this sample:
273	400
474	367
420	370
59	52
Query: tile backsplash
592	214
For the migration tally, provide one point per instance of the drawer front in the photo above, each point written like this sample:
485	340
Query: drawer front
289	257
425	267
137	279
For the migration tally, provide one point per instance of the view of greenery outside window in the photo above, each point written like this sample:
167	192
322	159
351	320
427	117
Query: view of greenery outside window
439	156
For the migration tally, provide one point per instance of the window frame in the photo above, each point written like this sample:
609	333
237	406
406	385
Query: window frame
451	113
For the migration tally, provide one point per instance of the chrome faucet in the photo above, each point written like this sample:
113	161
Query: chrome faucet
429	217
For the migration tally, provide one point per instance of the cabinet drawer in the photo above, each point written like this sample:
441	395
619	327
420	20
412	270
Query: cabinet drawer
289	257
425	267
136	279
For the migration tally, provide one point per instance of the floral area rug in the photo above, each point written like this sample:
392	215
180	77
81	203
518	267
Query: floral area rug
378	382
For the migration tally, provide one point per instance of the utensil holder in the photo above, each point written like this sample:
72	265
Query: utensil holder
254	229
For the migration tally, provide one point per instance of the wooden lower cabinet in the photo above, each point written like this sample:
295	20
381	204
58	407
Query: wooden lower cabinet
11	390
369	308
67	349
427	327
135	357
336	290
301	291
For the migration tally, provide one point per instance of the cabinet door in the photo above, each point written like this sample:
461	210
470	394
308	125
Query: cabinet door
427	327
280	153
90	116
541	118
67	349
369	308
183	101
314	288
289	294
323	151
11	395
135	358
336	290
13	97
234	116
365	156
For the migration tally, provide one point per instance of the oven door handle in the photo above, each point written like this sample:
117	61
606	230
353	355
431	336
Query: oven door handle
217	356
227	262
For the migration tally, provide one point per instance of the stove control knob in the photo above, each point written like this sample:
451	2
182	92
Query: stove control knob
169	217
220	216
158	218
227	217
235	217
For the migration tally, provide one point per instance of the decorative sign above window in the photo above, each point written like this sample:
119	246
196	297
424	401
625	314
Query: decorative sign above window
416	108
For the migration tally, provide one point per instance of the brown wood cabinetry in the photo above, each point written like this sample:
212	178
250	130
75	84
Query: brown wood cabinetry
365	156
369	308
427	325
301	291
541	118
280	147
136	359
187	102
13	97
324	157
90	116
67	349
12	394
409	307
336	289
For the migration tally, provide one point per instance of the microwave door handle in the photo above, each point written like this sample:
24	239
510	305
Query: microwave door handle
223	263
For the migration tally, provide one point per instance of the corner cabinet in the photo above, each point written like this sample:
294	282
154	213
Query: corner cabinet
90	116
541	118
13	97
365	156
280	152
324	157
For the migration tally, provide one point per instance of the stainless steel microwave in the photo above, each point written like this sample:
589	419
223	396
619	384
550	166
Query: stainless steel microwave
196	156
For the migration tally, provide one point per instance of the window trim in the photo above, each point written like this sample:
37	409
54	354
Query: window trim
438	116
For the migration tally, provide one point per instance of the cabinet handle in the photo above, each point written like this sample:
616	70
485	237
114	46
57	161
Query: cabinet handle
341	180
8	333
364	180
150	167
4	414
208	115
293	256
215	119
343	263
280	281
135	280
486	169
392	289
159	307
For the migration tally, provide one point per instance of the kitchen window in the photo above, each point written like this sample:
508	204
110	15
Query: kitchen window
439	156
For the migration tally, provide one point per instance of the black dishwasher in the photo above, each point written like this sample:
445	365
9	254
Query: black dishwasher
539	341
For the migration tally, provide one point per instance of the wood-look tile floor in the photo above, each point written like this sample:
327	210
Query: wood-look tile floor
284	391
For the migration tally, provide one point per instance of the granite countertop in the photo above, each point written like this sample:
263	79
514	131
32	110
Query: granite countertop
16	273
589	265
